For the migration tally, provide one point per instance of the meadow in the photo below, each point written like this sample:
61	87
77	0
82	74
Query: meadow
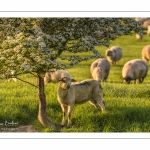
127	106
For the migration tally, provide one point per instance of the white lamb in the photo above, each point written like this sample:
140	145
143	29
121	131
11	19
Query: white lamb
145	23
70	94
100	69
114	54
139	36
54	76
134	69
14	79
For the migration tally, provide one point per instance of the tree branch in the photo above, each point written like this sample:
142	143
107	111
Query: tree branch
33	74
27	82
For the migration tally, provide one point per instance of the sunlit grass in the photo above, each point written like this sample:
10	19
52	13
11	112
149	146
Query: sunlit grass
127	106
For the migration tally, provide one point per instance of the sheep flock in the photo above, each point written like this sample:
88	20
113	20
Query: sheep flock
70	92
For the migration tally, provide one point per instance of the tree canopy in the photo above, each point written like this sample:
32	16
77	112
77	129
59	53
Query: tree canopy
34	44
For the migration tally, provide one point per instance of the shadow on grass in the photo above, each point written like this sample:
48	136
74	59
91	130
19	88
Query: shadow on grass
26	115
22	114
125	119
120	119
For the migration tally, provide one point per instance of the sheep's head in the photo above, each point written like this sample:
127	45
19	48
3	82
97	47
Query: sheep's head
127	80
98	73
109	53
65	82
47	78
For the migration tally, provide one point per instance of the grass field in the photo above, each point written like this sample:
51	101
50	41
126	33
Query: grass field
127	106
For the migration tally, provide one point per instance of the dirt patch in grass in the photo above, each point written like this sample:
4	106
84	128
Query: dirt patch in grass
22	128
27	128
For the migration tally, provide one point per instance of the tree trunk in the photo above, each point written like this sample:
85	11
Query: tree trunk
42	116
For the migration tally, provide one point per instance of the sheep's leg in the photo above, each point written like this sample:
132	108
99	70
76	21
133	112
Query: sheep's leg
100	102
135	81
64	110
98	97
102	105
141	80
70	109
94	103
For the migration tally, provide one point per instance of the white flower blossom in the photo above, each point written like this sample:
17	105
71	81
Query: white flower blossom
42	44
9	38
25	67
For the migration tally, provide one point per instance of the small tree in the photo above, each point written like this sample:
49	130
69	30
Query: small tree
32	45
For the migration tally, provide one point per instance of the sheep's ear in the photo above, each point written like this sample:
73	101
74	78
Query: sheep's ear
73	80
61	79
114	50
124	80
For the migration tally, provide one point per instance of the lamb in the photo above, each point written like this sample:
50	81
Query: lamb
134	69
146	24
146	53
13	78
114	54
141	19
100	69
54	76
70	94
139	36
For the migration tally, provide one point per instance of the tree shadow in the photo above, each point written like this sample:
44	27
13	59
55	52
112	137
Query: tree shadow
125	119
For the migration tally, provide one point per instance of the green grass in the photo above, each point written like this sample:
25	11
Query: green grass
127	106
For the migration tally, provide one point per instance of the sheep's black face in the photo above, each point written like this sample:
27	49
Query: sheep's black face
127	80
109	53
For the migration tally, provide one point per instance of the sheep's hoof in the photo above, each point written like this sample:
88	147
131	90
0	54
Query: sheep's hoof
69	125
62	125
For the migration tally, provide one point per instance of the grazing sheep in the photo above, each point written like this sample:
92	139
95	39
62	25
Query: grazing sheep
14	79
70	94
100	69
54	76
139	36
146	53
134	69
141	19
146	23
114	54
